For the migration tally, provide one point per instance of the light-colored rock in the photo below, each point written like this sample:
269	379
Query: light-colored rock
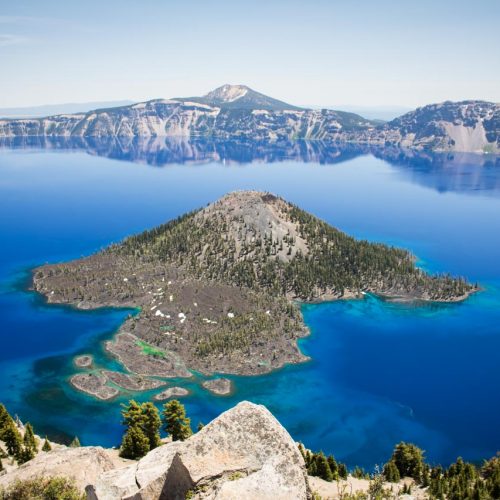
84	465
351	486
244	453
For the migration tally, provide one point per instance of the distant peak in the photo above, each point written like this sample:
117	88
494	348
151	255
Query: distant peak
228	93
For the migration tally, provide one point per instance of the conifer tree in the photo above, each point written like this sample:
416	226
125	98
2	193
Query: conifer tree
75	443
409	460
26	453
140	420
5	418
342	471
334	467
322	467
200	426
391	472
175	422
151	424
46	445
12	439
132	414
29	438
135	443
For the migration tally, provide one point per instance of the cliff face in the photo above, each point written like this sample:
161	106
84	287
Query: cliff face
472	126
244	453
238	111
176	118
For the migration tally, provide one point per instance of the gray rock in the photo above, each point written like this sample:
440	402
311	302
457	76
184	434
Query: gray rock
244	453
84	465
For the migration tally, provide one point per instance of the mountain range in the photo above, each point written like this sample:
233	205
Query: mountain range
237	111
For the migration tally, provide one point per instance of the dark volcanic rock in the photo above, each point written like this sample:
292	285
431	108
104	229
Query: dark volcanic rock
217	288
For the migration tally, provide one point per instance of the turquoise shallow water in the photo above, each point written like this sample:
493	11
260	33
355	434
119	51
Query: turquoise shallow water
379	372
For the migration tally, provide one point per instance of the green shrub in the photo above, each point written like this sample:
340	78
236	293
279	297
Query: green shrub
43	488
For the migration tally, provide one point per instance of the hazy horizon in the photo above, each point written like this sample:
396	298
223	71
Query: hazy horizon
396	54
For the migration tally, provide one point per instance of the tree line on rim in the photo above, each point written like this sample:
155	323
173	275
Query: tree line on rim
143	423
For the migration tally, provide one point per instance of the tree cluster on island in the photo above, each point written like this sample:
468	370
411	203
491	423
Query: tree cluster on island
219	247
220	288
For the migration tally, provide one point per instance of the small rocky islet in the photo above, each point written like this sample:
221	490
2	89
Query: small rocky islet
219	386
171	392
106	384
83	361
219	288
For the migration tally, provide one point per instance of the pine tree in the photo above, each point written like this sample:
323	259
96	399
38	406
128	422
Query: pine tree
4	415
46	445
5	418
26	454
151	424
29	438
334	467
12	439
132	414
391	472
322	467
200	426
342	471
409	460
135	443
175	422
75	443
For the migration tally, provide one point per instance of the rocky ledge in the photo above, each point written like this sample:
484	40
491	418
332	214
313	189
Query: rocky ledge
244	453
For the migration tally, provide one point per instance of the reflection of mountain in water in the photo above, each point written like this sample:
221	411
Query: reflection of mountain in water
459	172
160	151
464	172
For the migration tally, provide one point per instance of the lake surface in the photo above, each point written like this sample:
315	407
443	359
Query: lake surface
380	372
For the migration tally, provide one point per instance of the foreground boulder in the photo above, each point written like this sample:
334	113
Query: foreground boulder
244	453
83	465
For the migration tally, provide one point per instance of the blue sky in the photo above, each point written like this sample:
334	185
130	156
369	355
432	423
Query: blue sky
324	52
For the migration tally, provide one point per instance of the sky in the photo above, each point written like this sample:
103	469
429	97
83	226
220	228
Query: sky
366	53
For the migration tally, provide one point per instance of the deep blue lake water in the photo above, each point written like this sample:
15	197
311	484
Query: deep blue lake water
380	372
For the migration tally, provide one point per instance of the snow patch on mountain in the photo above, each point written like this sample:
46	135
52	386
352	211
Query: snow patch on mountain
227	93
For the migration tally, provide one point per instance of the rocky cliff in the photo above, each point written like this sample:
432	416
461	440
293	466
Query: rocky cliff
233	111
467	126
230	111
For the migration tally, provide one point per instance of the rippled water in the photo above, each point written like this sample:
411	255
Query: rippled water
380	372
